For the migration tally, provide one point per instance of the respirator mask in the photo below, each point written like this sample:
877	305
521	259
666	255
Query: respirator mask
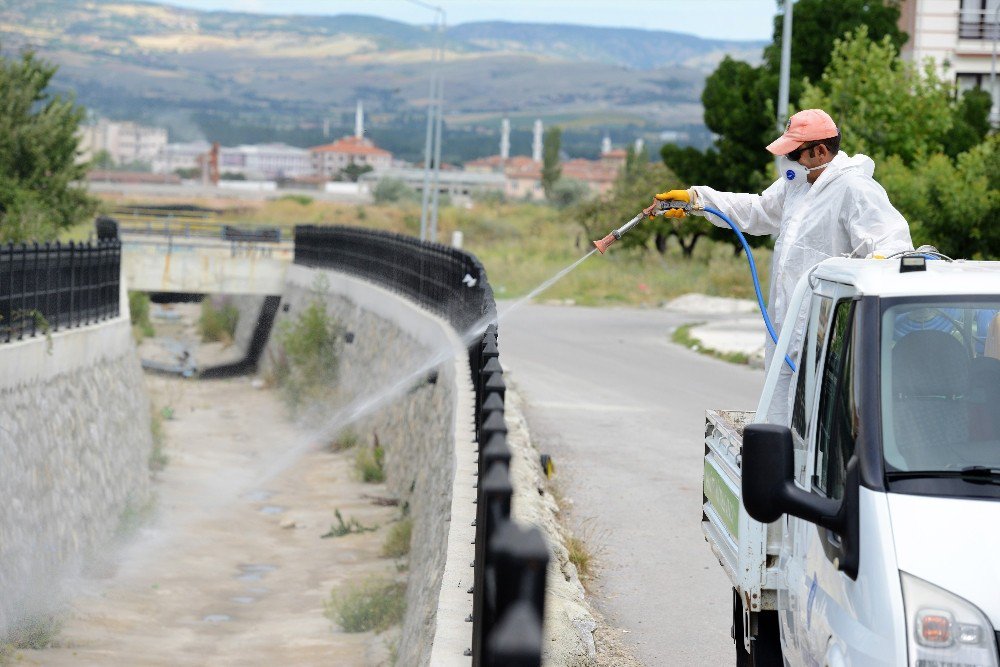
795	172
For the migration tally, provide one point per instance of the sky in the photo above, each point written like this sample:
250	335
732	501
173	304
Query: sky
718	19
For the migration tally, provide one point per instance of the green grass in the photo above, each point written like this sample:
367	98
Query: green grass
375	603
682	336
369	463
346	439
158	458
397	540
138	306
218	322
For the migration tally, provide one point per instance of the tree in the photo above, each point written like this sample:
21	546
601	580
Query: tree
882	104
102	160
391	190
352	172
551	171
566	192
912	123
39	146
629	195
739	99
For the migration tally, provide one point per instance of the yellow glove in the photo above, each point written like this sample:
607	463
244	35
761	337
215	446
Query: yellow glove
671	195
674	195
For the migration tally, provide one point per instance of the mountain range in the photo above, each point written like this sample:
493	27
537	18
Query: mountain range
179	67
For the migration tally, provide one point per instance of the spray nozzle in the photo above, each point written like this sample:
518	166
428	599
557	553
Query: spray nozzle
658	208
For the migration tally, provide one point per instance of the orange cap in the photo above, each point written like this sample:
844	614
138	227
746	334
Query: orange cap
807	125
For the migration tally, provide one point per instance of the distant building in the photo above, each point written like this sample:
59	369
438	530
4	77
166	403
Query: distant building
330	159
523	175
459	185
961	34
266	161
125	142
255	161
172	157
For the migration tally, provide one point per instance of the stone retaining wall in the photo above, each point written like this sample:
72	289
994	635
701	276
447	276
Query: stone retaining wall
407	372
75	443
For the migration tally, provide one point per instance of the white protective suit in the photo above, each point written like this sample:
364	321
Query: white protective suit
845	212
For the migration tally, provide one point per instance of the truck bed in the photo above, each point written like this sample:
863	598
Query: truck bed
745	548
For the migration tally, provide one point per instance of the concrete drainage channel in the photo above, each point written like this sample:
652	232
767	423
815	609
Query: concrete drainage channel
452	392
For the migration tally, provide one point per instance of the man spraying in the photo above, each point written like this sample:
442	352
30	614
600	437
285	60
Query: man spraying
824	204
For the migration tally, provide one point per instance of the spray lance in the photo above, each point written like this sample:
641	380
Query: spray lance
675	208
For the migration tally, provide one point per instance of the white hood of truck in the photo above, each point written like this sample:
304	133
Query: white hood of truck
953	543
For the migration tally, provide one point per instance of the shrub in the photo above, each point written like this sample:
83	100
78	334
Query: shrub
390	190
370	464
376	603
138	307
303	200
397	541
218	323
311	349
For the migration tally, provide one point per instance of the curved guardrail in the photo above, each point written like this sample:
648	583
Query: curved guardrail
510	560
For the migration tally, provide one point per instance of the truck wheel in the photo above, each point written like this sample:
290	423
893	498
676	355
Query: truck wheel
765	646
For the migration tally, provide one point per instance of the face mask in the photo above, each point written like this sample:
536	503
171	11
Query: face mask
795	172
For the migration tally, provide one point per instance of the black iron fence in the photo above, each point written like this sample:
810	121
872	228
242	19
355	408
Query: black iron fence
510	562
53	286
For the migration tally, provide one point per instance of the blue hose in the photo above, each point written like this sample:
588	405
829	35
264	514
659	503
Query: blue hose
756	280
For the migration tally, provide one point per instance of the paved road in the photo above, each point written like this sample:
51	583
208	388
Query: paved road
621	410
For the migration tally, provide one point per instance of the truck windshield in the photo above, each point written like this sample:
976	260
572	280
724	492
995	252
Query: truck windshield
940	392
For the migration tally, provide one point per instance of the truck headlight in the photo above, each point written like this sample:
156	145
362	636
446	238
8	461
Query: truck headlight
943	630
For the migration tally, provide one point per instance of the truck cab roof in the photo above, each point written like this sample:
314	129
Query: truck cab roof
882	277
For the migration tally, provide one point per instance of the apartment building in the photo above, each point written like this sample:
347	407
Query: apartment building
961	36
125	142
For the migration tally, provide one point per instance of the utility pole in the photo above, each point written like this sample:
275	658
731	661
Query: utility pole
432	143
437	131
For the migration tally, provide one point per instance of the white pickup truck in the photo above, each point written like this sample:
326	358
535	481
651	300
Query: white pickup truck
864	527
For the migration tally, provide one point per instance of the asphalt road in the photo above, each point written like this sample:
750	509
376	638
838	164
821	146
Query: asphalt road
621	410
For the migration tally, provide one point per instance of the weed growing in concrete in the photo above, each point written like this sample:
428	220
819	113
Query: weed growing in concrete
581	558
158	459
345	440
134	515
370	464
218	322
311	347
138	307
346	527
376	603
682	336
397	541
34	632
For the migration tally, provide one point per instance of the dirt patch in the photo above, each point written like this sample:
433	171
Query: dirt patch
231	568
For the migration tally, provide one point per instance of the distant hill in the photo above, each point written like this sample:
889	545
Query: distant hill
164	64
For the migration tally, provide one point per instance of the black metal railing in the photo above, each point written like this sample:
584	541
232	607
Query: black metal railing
510	561
53	286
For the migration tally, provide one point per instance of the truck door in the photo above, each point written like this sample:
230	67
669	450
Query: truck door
823	594
792	613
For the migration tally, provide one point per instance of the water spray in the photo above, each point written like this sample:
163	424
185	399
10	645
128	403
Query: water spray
668	208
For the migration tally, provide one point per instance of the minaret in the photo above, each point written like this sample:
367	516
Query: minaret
504	139
605	145
359	121
536	142
639	144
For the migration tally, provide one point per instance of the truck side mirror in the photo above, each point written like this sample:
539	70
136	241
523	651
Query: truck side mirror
768	480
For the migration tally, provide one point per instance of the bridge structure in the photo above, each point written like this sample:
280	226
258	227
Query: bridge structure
205	258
